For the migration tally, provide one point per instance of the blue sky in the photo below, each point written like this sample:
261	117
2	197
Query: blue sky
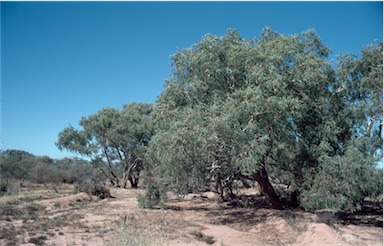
64	60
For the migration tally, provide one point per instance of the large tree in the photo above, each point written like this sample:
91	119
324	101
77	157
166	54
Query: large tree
360	83
113	139
348	173
238	109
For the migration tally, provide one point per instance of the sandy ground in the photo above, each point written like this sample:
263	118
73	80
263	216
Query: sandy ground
45	217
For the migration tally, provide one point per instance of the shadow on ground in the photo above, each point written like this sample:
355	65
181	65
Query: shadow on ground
370	215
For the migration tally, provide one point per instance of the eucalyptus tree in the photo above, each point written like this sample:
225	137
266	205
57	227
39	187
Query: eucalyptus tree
112	139
251	93
361	84
344	178
238	109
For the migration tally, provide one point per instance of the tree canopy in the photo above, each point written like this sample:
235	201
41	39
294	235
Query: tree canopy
111	138
269	110
238	109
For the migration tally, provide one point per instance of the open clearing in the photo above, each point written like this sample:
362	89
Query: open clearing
41	215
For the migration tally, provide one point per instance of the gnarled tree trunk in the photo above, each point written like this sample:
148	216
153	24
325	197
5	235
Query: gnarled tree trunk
261	177
132	173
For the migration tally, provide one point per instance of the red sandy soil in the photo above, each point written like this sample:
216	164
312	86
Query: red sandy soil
65	218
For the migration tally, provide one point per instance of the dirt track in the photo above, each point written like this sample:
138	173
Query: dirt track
43	217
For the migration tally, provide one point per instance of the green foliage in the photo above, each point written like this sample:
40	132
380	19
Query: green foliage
361	84
111	138
155	190
44	170
151	197
73	170
234	108
90	182
342	182
43	173
9	187
19	166
16	164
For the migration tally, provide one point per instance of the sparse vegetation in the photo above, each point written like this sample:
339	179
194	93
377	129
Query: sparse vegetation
271	115
204	238
93	186
9	234
40	240
128	236
41	216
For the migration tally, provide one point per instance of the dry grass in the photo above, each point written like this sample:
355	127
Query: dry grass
40	216
147	227
24	220
133	237
37	215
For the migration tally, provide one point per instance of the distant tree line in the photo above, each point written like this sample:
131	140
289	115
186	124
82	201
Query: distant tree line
272	110
23	167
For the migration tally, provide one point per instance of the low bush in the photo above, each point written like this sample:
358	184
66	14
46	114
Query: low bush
9	187
101	192
40	240
43	173
93	185
152	196
203	238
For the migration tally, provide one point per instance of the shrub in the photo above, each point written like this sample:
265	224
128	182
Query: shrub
9	187
203	238
44	173
93	185
38	240
149	199
101	192
343	182
152	196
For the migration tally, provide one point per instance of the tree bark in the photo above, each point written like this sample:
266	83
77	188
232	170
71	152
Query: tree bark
134	182
368	132
110	169
133	177
261	177
107	176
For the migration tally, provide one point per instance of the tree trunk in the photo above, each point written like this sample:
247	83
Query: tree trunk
110	169
125	179
132	173
267	189
295	198
134	183
107	176
371	121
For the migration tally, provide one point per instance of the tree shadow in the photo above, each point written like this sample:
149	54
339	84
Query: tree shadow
246	210
370	215
249	210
